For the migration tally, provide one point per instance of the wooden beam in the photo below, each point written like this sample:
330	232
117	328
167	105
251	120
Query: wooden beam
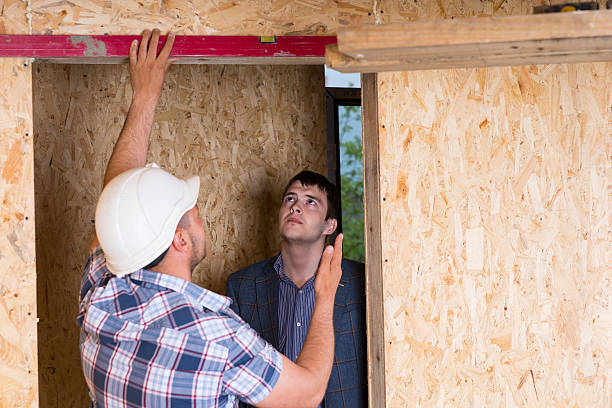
18	317
374	279
192	49
474	42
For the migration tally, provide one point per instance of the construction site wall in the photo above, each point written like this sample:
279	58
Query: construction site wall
494	199
496	236
495	231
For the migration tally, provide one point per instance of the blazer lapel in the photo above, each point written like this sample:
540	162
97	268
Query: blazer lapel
267	302
339	308
340	299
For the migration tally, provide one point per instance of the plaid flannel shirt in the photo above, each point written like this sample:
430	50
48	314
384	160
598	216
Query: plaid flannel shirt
154	340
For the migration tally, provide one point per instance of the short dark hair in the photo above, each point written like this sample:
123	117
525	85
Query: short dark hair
183	223
157	260
310	178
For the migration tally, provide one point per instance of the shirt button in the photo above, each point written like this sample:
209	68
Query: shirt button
299	324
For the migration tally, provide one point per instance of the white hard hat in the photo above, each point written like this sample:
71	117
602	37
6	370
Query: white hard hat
137	215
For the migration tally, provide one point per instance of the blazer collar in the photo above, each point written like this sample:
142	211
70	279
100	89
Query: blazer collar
266	284
341	293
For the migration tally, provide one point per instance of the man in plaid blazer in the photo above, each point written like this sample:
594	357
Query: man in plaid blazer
275	296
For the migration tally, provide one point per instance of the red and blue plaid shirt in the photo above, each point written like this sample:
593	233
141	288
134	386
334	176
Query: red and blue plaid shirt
154	340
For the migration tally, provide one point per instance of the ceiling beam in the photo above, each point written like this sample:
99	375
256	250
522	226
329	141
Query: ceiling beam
474	42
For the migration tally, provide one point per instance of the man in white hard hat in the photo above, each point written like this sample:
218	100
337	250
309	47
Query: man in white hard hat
150	337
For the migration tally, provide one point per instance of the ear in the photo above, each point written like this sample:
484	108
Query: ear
331	226
180	242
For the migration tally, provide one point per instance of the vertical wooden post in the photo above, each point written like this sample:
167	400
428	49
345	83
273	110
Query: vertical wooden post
18	354
374	281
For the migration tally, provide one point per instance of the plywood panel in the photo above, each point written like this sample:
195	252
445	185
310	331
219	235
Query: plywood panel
14	18
18	363
228	17
246	130
496	240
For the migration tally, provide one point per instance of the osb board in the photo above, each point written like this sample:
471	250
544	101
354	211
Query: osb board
495	192
199	17
246	130
13	17
250	17
18	363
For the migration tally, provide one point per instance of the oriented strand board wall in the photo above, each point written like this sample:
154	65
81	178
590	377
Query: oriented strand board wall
495	189
18	363
200	17
18	357
246	130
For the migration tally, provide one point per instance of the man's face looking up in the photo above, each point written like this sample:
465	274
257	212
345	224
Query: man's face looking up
302	214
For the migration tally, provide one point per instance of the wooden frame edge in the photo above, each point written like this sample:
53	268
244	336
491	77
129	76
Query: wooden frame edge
373	242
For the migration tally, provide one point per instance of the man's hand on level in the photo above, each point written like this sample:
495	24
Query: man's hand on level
147	68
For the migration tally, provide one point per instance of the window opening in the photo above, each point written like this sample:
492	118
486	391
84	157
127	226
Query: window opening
346	165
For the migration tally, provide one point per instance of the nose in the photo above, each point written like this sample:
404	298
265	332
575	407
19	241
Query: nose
295	208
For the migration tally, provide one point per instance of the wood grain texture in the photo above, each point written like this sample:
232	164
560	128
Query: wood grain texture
496	222
14	17
388	39
246	130
372	235
474	42
202	17
18	361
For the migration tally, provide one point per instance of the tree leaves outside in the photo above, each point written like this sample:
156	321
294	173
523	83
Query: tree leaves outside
351	181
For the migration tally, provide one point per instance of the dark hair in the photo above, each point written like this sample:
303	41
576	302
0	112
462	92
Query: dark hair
157	260
310	178
183	223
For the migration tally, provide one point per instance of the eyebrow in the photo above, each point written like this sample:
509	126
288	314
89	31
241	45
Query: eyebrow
317	199
292	193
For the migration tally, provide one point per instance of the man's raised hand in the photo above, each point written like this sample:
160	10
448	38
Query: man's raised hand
330	271
147	68
147	71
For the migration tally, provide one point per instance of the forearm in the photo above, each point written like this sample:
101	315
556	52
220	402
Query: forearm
317	354
303	384
147	71
131	148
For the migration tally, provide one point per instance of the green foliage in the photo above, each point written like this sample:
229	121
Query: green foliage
351	181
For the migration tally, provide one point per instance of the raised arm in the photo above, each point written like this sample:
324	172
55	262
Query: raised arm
303	384
147	70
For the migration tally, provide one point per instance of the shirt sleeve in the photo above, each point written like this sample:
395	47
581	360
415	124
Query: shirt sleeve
254	365
94	273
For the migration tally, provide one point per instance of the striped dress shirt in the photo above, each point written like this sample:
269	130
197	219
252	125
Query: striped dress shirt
295	307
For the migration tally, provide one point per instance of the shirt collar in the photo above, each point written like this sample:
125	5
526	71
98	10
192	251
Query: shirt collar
209	299
278	267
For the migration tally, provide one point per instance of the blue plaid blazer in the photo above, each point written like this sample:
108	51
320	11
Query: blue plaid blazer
254	291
